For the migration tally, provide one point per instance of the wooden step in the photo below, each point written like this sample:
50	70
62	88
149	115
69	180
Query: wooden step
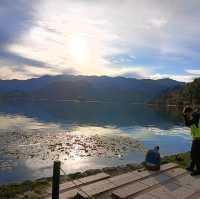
70	185
172	190
123	179
97	188
145	196
190	181
94	178
102	182
129	190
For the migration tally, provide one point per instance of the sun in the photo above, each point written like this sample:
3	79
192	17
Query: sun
79	50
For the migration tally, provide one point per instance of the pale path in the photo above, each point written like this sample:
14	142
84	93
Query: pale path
171	182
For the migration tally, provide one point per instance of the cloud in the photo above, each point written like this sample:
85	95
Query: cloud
181	78
15	59
108	37
193	71
158	22
15	19
133	72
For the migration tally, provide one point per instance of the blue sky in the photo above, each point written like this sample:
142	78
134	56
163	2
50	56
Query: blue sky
142	39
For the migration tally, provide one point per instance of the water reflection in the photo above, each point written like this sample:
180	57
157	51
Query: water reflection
147	124
97	114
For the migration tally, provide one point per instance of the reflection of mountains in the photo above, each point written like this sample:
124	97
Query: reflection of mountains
99	114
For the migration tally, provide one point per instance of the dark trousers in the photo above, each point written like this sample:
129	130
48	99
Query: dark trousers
195	154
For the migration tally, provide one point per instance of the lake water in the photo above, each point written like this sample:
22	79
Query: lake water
29	126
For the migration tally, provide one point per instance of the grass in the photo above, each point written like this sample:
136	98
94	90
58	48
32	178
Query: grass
25	190
182	159
37	189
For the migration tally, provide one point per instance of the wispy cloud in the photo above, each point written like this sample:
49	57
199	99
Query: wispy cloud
193	71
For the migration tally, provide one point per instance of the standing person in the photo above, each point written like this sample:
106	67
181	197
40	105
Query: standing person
192	120
152	160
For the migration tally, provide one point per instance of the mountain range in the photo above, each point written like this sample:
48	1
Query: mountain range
97	88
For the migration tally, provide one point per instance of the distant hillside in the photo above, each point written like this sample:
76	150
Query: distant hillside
181	95
70	87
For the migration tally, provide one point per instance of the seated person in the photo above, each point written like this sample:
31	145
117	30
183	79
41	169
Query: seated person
152	160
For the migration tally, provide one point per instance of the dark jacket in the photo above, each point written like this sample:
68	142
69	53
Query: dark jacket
153	157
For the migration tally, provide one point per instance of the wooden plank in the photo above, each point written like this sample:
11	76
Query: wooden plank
144	196
149	180
189	181
162	193
129	190
175	172
196	195
67	185
158	179
124	179
168	166
81	181
93	178
146	173
163	168
97	187
183	192
172	190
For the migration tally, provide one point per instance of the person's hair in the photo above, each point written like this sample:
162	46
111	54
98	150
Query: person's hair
157	147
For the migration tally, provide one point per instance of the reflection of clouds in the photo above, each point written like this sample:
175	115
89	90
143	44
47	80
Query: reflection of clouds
18	122
13	122
176	131
93	130
144	133
34	164
82	164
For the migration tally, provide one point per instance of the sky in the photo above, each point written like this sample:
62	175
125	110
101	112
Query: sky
139	39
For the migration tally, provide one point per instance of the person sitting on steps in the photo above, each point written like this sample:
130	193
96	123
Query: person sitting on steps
152	160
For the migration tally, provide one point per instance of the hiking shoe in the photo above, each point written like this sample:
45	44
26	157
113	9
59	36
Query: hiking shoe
195	173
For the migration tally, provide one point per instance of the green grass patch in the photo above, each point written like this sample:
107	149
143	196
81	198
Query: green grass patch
37	188
182	159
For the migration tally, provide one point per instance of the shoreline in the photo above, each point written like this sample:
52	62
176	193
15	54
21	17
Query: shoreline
37	189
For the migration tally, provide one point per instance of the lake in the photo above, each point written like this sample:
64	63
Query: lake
34	134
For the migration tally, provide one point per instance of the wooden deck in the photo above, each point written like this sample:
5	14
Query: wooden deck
171	182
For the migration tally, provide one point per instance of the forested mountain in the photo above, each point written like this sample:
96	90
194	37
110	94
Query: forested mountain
181	95
70	87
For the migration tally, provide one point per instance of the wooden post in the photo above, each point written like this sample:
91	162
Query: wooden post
56	180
